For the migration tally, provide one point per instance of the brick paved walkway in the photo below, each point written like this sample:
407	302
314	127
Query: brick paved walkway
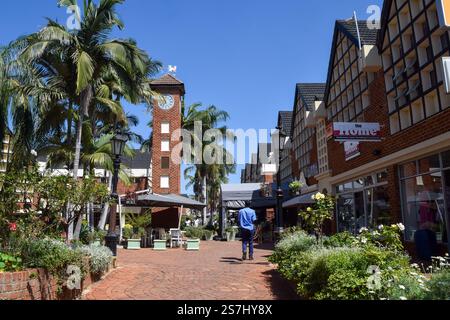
214	273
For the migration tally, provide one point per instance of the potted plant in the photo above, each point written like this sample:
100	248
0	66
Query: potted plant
98	237
194	235
295	187
208	235
229	232
133	237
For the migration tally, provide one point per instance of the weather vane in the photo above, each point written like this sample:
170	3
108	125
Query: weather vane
172	69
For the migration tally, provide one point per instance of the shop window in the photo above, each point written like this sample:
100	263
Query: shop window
378	206
446	159
424	206
345	215
429	164
409	169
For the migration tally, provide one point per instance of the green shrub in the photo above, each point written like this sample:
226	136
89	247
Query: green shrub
439	286
291	244
194	232
343	239
99	258
52	255
207	234
10	263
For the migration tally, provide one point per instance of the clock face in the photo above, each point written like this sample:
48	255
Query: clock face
166	102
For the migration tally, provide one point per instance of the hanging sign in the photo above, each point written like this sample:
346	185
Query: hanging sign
352	150
443	8
359	132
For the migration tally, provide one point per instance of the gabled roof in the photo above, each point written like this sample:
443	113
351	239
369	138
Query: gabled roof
168	80
308	93
387	4
285	121
264	147
348	28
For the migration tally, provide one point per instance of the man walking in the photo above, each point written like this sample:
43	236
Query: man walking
247	218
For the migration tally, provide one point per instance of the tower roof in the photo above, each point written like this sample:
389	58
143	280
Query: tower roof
167	81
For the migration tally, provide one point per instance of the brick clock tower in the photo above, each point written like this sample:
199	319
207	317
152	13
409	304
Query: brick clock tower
166	170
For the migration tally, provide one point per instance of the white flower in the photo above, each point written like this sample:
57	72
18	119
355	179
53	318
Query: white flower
402	287
380	227
363	230
34	153
403	298
313	197
401	226
376	233
363	240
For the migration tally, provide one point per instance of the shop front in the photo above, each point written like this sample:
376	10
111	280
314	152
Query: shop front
425	189
363	203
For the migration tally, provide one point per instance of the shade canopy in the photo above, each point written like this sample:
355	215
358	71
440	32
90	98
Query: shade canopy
234	196
305	199
168	200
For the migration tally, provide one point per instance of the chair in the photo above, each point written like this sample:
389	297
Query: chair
176	237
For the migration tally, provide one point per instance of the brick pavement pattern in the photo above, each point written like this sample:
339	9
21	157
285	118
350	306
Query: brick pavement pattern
213	273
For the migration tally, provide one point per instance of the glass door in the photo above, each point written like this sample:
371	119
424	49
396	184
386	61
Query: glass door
360	214
447	205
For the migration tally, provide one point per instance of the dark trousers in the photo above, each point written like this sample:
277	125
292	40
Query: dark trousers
247	240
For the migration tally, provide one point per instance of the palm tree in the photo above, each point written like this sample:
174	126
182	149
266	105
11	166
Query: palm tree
75	75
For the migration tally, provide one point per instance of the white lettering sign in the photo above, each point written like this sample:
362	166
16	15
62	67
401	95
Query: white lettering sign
344	131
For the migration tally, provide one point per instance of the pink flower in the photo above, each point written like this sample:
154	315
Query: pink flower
13	227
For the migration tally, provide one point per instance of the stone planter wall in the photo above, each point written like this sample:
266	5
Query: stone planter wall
38	284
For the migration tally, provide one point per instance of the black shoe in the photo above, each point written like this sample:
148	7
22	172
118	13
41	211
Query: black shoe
244	257
251	258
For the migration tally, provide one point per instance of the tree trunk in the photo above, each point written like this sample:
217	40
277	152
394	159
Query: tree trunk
104	216
86	97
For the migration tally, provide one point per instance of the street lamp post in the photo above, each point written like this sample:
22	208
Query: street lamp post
280	195
118	143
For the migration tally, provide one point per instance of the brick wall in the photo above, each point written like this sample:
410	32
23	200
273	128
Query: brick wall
38	284
378	112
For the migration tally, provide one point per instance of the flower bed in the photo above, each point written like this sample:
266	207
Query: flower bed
371	266
48	269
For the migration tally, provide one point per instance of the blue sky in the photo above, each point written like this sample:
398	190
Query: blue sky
244	56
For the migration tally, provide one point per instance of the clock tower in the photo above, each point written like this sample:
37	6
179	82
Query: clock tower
166	168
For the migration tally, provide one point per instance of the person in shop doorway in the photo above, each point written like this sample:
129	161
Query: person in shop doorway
247	218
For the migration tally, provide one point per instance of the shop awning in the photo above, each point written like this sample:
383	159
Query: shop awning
305	199
167	200
235	195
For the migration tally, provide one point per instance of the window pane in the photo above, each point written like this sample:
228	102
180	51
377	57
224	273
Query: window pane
164	182
165	146
165	163
424	206
446	159
382	177
348	186
165	127
358	184
409	169
378	207
447	198
345	217
429	164
359	211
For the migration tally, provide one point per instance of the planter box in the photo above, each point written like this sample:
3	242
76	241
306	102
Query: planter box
134	244
193	245
160	245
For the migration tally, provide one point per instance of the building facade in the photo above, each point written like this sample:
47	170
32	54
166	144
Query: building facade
394	77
